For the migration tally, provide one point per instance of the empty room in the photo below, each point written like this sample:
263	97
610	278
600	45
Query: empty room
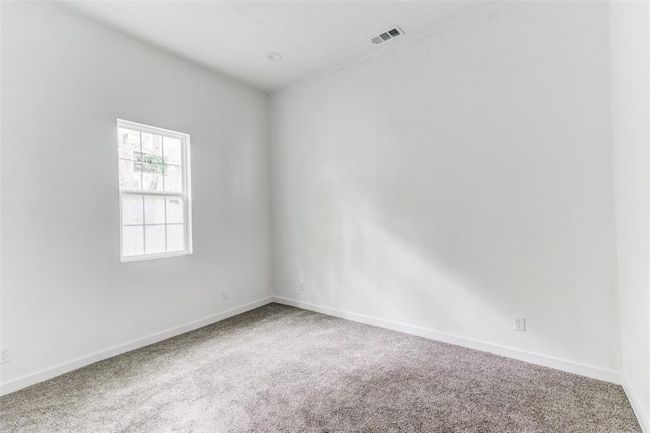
324	216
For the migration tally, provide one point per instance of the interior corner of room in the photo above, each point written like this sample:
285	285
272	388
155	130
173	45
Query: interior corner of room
473	173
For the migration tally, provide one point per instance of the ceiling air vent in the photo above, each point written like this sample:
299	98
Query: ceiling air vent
387	35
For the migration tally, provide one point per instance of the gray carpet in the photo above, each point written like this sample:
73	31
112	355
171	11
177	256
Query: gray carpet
282	369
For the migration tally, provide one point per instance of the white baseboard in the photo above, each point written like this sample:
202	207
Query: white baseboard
510	352
534	358
57	370
639	411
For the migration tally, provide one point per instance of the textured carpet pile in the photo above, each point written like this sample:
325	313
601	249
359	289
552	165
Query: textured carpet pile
282	369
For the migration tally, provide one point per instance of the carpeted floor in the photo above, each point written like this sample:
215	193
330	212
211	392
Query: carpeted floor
282	369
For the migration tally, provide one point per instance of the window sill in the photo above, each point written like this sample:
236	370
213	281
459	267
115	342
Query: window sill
154	256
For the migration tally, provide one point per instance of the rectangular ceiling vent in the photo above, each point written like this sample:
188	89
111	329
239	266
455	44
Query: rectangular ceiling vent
387	35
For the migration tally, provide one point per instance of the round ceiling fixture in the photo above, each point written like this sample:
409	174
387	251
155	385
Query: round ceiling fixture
274	56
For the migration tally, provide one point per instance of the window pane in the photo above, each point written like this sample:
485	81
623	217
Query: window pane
175	237
151	167
175	210
132	241
128	141
129	178
154	210
172	148
131	209
151	144
152	181
154	239
173	179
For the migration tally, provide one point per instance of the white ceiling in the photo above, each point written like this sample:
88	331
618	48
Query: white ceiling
235	37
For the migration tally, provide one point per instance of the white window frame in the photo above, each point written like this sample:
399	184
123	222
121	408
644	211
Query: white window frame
185	194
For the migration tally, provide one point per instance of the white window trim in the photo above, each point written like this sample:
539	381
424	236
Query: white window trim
186	194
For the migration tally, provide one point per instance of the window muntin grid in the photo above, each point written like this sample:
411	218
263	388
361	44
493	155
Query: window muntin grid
154	192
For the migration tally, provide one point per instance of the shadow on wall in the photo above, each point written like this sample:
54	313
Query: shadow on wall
466	272
469	187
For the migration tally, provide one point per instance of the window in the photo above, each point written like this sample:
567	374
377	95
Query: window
155	200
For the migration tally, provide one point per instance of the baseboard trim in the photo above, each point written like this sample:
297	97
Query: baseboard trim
509	352
65	367
534	358
639	411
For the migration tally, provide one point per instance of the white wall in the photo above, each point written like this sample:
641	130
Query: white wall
453	183
65	294
630	53
449	184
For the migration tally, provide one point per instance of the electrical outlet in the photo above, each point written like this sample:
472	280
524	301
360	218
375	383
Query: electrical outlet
224	294
4	355
301	286
519	324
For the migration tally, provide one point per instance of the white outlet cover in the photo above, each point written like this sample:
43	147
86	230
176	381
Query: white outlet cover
519	323
4	355
224	294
